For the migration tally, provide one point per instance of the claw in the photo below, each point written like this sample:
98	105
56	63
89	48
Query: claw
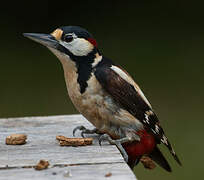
115	142
85	131
82	133
100	139
104	137
81	128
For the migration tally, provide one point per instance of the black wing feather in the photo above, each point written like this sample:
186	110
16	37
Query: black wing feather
158	157
122	92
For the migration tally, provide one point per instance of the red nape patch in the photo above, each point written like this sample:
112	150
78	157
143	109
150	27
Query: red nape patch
93	41
145	146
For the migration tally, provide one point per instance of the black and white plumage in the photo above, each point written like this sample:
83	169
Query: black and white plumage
102	91
126	93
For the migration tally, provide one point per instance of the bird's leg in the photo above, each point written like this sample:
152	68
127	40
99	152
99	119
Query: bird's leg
118	143
86	131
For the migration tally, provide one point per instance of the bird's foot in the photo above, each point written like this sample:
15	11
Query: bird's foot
117	142
85	130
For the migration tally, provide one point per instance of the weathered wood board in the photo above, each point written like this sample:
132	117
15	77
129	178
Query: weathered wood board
85	162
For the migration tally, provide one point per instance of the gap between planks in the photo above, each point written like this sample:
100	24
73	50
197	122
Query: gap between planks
58	165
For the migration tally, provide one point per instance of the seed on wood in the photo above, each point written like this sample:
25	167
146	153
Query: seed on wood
42	164
108	174
65	141
16	139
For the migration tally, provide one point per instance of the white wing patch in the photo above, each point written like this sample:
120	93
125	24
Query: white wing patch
154	127
127	78
157	128
146	120
164	140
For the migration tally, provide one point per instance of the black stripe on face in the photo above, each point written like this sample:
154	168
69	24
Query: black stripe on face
83	65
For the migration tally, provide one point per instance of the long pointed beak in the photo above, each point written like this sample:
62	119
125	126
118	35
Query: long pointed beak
44	39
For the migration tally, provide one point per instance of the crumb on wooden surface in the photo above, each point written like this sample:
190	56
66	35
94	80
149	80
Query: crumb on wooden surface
16	139
147	162
65	141
42	164
108	174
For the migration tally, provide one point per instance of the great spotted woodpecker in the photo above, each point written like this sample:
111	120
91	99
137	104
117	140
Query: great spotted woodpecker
107	96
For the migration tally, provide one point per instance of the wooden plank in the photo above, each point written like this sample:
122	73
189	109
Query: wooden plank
85	172
42	144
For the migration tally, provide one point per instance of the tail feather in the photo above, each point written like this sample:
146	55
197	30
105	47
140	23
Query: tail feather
158	157
133	162
165	141
173	153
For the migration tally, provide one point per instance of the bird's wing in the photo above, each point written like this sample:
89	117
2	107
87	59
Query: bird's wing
126	92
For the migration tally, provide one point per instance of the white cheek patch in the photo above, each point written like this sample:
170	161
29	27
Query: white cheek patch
78	47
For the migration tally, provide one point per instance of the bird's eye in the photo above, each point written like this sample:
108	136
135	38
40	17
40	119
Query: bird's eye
68	38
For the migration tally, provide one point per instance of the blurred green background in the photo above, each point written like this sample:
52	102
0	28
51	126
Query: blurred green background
159	43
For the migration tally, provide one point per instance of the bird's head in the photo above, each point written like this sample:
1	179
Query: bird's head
73	41
76	49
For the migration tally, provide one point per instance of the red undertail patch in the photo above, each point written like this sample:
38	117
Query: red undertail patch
146	145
